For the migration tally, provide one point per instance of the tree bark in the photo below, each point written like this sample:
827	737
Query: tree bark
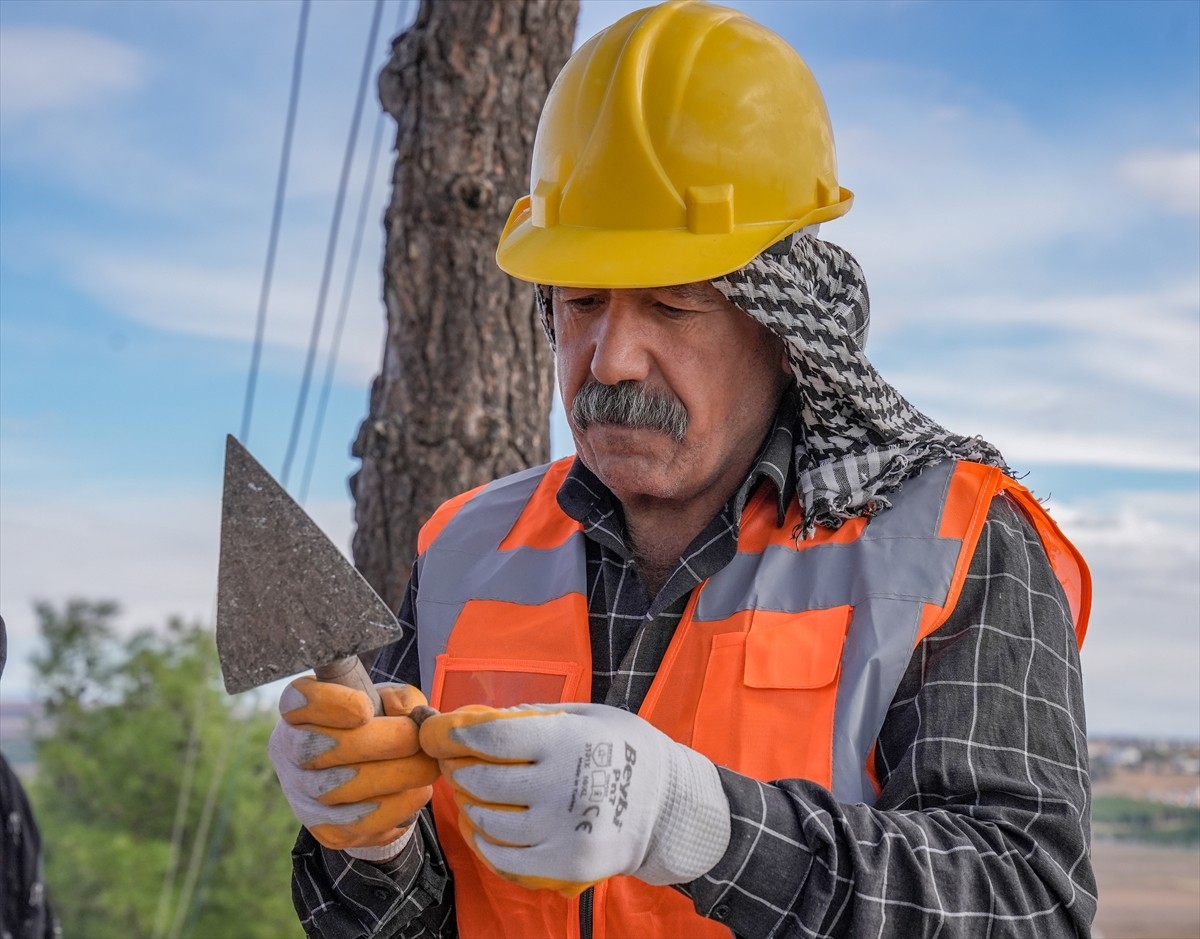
463	395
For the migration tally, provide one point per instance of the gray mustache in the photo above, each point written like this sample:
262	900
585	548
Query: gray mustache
628	403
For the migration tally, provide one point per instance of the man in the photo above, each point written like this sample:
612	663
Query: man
775	654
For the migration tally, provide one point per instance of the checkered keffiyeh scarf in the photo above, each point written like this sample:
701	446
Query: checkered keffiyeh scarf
859	439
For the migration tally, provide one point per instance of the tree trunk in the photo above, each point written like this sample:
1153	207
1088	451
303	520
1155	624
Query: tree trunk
463	395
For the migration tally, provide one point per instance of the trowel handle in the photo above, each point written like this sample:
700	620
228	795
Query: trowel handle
351	673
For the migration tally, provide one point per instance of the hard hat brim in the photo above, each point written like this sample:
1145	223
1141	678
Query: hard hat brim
569	256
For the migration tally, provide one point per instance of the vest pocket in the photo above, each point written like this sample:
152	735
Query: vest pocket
502	683
769	693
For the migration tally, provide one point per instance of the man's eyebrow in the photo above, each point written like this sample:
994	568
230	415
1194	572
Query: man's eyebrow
695	292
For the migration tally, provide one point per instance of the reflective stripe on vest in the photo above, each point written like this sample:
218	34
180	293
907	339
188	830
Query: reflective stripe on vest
887	575
463	564
784	663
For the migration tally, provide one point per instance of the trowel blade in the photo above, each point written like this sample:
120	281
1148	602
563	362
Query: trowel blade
287	598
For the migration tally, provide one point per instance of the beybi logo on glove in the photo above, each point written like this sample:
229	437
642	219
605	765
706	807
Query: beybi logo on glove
599	786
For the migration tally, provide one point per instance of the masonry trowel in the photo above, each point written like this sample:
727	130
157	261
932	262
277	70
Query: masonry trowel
287	598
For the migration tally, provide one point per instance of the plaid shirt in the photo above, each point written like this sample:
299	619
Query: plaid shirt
982	825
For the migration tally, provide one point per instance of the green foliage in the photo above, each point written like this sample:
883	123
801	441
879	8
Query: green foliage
1129	819
130	725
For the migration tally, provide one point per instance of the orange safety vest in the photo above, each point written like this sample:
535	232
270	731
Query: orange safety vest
784	663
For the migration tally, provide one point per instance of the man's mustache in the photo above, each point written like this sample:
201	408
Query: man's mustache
630	404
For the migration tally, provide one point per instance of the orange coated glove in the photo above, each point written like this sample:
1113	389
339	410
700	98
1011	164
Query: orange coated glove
356	781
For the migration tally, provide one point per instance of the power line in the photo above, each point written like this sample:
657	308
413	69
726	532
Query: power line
402	12
276	218
207	844
332	246
347	290
164	911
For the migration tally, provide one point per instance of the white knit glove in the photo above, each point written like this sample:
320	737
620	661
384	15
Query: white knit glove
355	780
564	796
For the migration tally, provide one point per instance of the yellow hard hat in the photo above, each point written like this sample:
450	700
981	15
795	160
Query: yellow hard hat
675	146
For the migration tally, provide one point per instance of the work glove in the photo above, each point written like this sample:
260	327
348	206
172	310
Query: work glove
564	796
355	780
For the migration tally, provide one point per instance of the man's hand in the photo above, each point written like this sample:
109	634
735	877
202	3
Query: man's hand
356	781
564	796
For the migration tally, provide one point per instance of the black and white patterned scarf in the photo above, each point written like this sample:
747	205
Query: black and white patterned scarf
859	439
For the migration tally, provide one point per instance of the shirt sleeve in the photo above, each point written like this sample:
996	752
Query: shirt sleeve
411	897
982	826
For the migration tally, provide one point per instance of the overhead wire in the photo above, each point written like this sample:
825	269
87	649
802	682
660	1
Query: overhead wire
403	12
276	220
206	846
331	248
343	309
165	915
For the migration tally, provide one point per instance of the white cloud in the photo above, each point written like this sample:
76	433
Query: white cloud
155	554
1023	446
1110	379
1169	177
1166	522
1141	657
1165	312
220	301
941	184
957	189
198	146
174	237
51	69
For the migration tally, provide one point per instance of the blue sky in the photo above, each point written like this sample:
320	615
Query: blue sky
1027	180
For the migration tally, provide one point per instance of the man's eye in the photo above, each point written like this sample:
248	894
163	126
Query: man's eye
582	304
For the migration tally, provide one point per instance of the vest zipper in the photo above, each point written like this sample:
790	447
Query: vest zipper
585	913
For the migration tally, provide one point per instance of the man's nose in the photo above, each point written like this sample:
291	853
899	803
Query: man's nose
622	348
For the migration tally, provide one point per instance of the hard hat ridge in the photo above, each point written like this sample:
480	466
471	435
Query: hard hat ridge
674	146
